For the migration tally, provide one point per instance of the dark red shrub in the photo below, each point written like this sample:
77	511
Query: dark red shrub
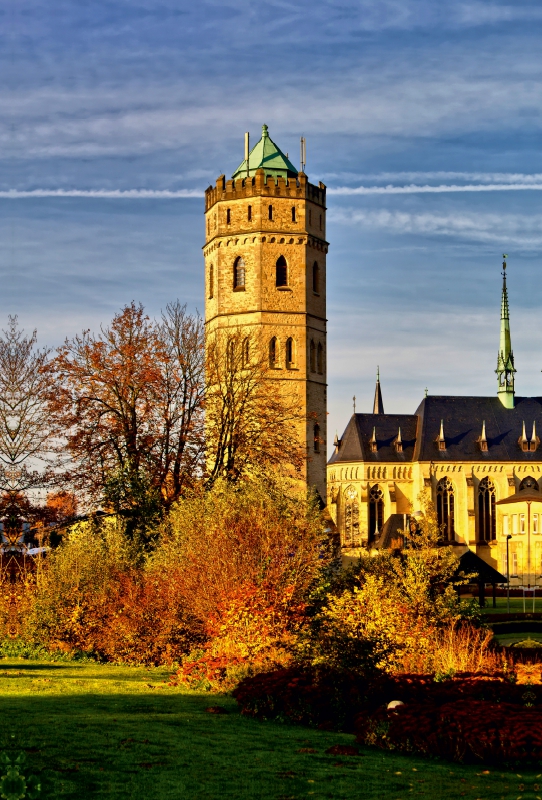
464	730
313	696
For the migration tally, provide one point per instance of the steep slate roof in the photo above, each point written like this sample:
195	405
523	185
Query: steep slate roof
462	417
268	156
354	444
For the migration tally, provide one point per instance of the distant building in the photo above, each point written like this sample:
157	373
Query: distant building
479	458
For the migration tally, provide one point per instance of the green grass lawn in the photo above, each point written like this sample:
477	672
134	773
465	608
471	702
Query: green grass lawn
92	730
516	605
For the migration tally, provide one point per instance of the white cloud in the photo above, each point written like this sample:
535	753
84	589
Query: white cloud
524	232
126	194
413	189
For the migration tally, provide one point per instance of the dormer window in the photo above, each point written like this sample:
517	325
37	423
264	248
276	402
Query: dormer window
373	447
441	441
398	443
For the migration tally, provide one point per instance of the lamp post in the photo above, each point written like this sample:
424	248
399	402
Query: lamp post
507	575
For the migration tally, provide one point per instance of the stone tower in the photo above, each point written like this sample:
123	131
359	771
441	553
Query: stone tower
265	268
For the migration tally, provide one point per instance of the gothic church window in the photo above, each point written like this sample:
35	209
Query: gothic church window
486	511
312	356
376	511
281	278
239	273
351	518
273	352
320	359
446	509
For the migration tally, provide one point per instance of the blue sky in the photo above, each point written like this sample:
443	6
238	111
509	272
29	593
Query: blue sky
401	102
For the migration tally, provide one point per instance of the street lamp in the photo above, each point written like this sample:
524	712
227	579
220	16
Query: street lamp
507	574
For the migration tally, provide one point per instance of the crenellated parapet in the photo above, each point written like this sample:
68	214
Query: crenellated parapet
262	185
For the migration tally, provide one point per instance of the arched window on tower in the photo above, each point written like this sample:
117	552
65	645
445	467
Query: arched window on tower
239	273
316	438
312	356
289	352
211	281
446	509
273	352
487	529
270	212
376	511
320	359
230	356
246	353
315	278
281	278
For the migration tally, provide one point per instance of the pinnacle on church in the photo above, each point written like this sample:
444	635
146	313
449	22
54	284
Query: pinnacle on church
378	405
505	359
268	156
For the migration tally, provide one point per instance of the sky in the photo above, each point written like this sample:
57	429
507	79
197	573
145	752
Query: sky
423	119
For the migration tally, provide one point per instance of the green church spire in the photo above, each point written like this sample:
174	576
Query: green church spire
505	360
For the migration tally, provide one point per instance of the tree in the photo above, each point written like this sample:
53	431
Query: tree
250	424
130	400
26	435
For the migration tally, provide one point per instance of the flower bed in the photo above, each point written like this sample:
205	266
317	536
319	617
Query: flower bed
323	697
464	730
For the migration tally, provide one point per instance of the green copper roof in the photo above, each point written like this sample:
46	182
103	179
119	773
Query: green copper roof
269	157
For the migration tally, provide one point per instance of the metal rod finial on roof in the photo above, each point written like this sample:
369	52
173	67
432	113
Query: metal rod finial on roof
303	153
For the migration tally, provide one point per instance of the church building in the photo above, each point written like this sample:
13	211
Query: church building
478	457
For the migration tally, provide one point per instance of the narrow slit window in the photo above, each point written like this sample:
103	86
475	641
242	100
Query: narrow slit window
514	570
289	351
249	211
246	353
310	217
312	356
293	214
522	523
281	272
273	352
270	212
320	359
211	281
320	222
316	438
228	216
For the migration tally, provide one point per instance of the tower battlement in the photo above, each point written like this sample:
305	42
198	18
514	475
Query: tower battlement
262	185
